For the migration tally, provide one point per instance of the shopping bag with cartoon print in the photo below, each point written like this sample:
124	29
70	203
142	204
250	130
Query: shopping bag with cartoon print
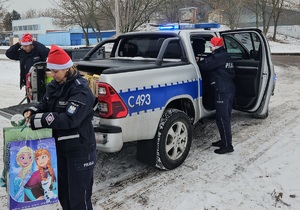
19	132
30	165
32	177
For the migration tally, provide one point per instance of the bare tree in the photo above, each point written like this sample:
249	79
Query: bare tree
75	12
93	18
277	11
266	15
49	12
269	11
3	12
107	13
133	13
260	8
230	10
170	9
31	13
7	22
233	10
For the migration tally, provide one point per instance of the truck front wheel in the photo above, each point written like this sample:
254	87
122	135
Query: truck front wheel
174	138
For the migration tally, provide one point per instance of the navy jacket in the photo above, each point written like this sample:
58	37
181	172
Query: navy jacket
68	109
220	69
38	54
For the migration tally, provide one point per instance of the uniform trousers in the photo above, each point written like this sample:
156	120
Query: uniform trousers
75	180
224	102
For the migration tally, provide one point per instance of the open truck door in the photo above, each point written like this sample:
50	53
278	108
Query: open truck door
255	76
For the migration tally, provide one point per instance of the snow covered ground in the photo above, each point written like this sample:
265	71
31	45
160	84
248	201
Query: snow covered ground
263	167
286	45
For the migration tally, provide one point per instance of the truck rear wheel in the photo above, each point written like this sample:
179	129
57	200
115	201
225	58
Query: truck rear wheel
172	143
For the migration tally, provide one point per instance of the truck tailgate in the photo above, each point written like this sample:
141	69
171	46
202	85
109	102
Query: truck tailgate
8	112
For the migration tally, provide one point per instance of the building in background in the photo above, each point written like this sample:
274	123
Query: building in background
216	16
45	31
73	37
188	15
35	26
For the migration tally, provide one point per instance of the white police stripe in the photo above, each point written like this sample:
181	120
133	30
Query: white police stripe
37	123
33	108
78	82
156	86
68	137
39	115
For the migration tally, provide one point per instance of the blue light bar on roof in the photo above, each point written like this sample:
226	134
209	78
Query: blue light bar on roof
207	25
187	26
169	27
176	26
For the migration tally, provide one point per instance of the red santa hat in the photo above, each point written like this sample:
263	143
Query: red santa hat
58	59
26	39
216	42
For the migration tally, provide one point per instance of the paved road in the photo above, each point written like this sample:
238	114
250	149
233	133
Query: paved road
286	60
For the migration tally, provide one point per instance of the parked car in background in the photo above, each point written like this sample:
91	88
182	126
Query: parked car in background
5	42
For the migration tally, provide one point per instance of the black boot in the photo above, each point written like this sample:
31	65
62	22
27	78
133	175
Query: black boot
217	144
224	150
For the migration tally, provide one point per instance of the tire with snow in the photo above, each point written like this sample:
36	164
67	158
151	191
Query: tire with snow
174	138
172	142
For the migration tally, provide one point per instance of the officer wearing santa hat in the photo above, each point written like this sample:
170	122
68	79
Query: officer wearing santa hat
67	108
221	75
28	52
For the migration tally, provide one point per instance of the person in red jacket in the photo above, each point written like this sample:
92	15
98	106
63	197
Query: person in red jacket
28	52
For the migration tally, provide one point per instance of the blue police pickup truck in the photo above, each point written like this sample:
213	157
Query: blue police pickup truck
151	90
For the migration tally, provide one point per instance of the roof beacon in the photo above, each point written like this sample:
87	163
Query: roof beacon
176	26
207	26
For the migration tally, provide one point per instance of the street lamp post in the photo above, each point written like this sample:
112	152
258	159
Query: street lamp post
117	17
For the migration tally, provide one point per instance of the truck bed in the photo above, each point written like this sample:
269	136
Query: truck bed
113	65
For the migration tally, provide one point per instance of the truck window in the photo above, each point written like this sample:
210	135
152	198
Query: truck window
235	49
129	50
139	47
173	50
243	46
200	44
148	47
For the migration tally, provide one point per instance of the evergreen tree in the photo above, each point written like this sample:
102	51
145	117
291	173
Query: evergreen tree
15	15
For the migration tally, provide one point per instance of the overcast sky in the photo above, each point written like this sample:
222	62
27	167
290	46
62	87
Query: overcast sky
24	5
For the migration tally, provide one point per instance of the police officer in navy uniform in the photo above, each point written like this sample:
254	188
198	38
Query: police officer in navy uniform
221	76
28	52
67	108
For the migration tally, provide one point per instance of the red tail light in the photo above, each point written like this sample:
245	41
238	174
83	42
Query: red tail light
29	86
110	104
